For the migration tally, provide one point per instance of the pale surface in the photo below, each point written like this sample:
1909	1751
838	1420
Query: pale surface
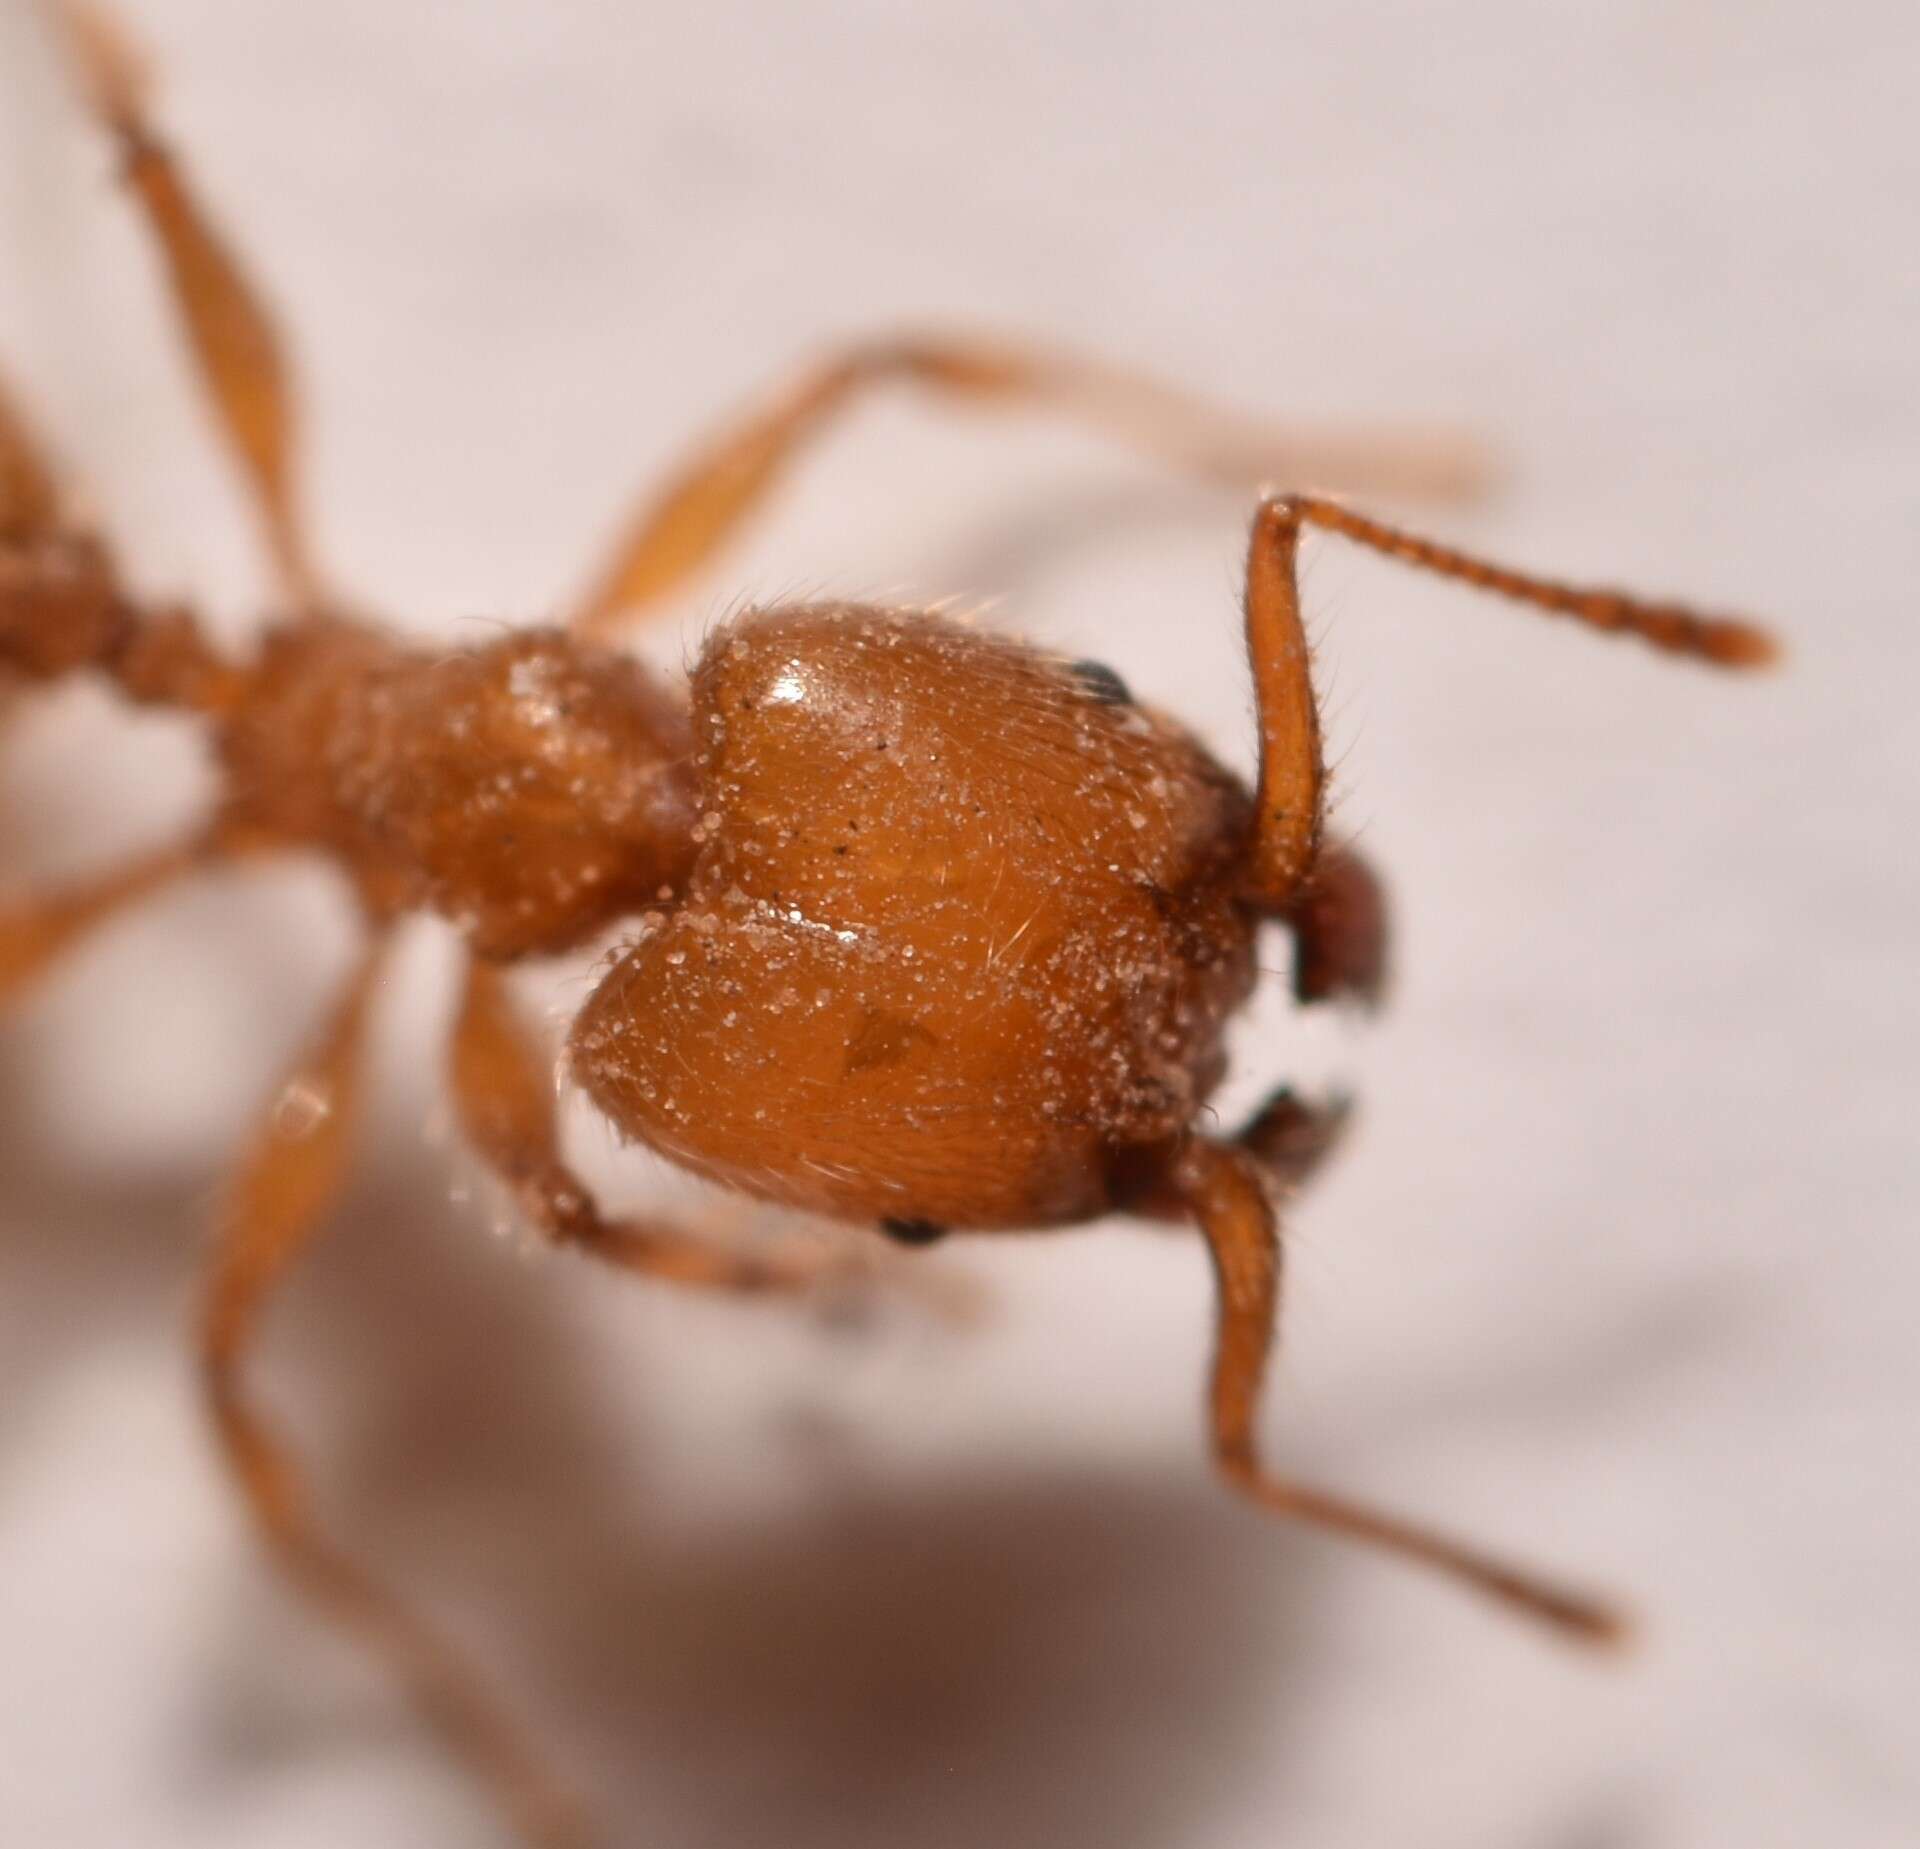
1621	1268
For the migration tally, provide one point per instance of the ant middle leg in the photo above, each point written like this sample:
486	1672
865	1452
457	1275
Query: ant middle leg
36	932
680	527
1227	1197
281	1193
236	347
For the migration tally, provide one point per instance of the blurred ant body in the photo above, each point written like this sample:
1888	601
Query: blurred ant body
935	932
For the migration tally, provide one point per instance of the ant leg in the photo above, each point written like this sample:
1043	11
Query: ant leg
1226	1197
281	1193
503	1090
706	501
235	345
36	932
29	494
1291	795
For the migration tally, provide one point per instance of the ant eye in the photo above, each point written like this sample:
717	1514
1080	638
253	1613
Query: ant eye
1101	682
913	1232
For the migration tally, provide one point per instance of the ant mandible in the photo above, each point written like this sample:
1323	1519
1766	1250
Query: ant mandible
936	932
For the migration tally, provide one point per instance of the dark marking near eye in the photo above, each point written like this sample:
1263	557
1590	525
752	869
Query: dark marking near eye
913	1232
1101	682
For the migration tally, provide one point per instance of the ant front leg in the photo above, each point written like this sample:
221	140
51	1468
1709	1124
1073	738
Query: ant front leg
280	1196
504	1094
1226	1196
706	502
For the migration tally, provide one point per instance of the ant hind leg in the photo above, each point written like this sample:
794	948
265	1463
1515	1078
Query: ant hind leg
285	1184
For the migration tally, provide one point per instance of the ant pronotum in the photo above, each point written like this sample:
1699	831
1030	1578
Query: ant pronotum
934	932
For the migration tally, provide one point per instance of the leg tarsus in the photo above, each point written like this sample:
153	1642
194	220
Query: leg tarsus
1228	1199
285	1184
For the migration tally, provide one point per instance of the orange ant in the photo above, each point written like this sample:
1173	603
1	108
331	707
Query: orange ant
935	932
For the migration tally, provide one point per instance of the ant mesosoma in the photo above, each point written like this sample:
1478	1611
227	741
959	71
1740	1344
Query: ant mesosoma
935	932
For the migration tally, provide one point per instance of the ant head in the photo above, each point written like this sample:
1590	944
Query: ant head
962	916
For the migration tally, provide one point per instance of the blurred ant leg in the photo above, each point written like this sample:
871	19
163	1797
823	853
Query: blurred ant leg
1291	794
702	506
34	933
286	1183
29	493
236	347
1226	1196
504	1092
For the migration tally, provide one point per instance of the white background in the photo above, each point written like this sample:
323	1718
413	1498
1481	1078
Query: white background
1620	1268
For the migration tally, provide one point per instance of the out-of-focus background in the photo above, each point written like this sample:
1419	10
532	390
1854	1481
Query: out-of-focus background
1620	1269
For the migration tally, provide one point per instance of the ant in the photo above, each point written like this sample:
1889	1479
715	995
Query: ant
926	930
